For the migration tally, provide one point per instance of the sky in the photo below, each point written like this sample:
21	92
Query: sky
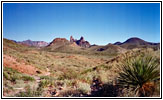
98	23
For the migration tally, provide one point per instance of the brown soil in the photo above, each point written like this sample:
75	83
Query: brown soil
11	62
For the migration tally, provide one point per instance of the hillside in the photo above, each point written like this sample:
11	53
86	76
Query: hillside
107	49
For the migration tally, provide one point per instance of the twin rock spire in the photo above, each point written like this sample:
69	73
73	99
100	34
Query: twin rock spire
81	42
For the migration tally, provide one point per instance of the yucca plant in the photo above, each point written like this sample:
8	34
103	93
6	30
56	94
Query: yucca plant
141	74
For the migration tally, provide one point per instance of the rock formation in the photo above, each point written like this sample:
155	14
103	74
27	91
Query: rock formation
81	42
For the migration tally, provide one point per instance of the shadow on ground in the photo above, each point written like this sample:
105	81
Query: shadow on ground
106	90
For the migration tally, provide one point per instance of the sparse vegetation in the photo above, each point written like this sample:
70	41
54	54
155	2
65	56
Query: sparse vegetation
11	74
71	73
30	93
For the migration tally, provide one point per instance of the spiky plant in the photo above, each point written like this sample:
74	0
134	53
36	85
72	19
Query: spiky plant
140	73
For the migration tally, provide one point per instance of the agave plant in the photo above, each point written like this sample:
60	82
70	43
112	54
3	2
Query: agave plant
140	73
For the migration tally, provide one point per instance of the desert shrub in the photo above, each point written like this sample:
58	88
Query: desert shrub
11	74
47	81
6	76
85	87
28	78
140	73
13	78
44	83
97	68
9	70
47	77
86	71
102	67
69	74
86	78
30	93
7	90
44	77
71	93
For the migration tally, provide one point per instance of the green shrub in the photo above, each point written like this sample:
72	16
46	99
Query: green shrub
6	76
28	78
9	70
140	73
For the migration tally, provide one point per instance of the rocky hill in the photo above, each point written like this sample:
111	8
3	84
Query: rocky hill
62	45
59	41
137	43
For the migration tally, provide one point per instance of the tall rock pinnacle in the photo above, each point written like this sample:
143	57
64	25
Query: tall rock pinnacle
72	39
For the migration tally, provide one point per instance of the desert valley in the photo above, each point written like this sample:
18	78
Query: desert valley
76	68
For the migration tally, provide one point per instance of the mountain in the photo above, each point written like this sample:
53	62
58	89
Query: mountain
137	43
33	43
81	42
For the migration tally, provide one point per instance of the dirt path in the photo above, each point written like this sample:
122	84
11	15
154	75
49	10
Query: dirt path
20	66
37	79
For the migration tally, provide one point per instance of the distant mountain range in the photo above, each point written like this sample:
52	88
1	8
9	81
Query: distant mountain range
33	43
60	43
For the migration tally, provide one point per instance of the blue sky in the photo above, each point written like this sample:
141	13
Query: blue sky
98	23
